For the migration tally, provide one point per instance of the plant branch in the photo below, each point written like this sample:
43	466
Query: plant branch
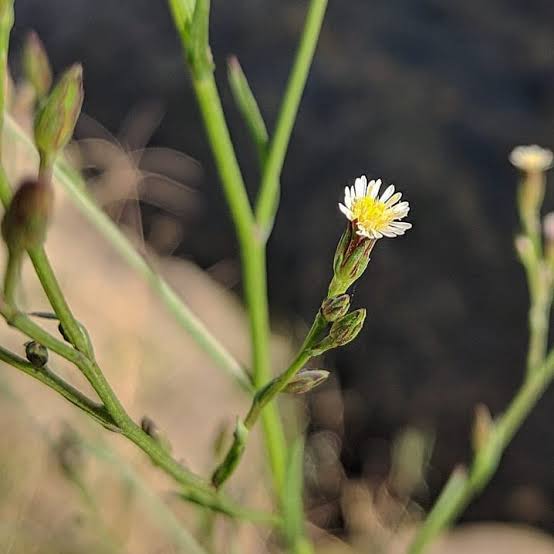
461	489
268	197
62	387
75	187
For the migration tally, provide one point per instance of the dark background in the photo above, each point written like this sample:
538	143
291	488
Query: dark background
428	95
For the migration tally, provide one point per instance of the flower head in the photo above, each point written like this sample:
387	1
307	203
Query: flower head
372	216
531	158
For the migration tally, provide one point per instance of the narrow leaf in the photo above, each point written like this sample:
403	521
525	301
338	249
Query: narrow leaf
248	107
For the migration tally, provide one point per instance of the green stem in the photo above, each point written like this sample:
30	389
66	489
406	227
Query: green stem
252	257
57	300
268	198
12	275
454	499
192	485
78	194
56	383
263	399
6	24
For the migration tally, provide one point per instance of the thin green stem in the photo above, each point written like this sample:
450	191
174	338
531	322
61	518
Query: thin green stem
57	300
262	400
225	158
56	383
75	187
454	499
12	275
268	198
192	485
6	24
252	252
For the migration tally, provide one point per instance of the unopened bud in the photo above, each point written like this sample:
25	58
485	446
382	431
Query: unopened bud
26	220
482	427
36	65
36	353
342	331
347	328
56	119
306	380
335	307
342	248
350	261
152	430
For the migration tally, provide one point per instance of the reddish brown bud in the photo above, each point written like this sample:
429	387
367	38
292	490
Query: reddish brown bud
26	220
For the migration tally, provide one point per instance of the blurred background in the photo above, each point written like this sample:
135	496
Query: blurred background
428	95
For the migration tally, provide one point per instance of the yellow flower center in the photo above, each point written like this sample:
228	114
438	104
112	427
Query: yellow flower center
370	213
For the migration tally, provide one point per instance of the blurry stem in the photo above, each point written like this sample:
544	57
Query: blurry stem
193	487
268	197
6	23
11	275
76	190
453	500
530	198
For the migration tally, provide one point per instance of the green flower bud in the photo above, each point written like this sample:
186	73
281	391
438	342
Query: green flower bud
347	328
36	353
26	220
342	248
351	259
306	380
335	307
36	65
342	331
56	119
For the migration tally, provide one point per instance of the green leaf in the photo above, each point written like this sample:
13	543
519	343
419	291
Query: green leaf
248	107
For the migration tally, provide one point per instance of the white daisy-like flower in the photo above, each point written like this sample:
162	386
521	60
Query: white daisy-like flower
375	217
532	158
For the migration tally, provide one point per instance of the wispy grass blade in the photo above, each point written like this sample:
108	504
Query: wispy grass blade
76	189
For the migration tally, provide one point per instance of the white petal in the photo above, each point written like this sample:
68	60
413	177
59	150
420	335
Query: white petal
347	197
404	225
345	211
393	199
374	188
389	191
360	184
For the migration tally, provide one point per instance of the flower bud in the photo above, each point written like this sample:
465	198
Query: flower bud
26	220
482	427
342	248
36	65
335	307
56	119
347	328
152	430
306	380
342	331
351	259
36	353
